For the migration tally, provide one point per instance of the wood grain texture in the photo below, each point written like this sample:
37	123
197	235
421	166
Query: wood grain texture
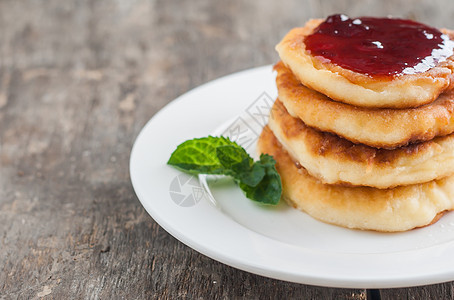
78	80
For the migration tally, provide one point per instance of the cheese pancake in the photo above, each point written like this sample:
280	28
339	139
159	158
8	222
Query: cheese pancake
347	86
398	209
380	128
335	160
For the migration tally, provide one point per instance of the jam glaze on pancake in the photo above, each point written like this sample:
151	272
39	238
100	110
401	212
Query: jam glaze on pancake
389	210
380	128
335	160
379	46
347	86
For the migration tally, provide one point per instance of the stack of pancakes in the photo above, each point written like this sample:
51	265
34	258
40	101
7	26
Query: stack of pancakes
360	152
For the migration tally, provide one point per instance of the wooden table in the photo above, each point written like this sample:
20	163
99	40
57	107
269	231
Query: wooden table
78	80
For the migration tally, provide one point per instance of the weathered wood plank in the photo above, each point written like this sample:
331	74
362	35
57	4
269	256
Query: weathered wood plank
436	291
78	80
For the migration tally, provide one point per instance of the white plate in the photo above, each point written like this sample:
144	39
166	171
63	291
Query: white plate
277	242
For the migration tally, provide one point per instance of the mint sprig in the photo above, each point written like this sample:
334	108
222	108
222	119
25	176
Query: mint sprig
219	156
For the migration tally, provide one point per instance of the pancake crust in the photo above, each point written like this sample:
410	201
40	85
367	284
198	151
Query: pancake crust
390	210
358	89
335	160
380	128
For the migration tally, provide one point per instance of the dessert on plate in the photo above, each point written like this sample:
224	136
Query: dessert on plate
392	127
323	56
336	160
397	209
362	130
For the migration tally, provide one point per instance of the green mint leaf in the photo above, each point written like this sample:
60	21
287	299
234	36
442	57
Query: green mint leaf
269	189
254	176
220	156
266	161
198	156
234	159
240	165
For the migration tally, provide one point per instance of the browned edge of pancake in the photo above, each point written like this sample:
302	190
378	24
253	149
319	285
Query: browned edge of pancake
379	201
328	144
414	124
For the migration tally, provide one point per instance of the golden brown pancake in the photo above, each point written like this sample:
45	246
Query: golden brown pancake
335	160
380	128
343	85
398	209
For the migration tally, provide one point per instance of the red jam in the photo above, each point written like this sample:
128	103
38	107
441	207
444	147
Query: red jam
379	46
